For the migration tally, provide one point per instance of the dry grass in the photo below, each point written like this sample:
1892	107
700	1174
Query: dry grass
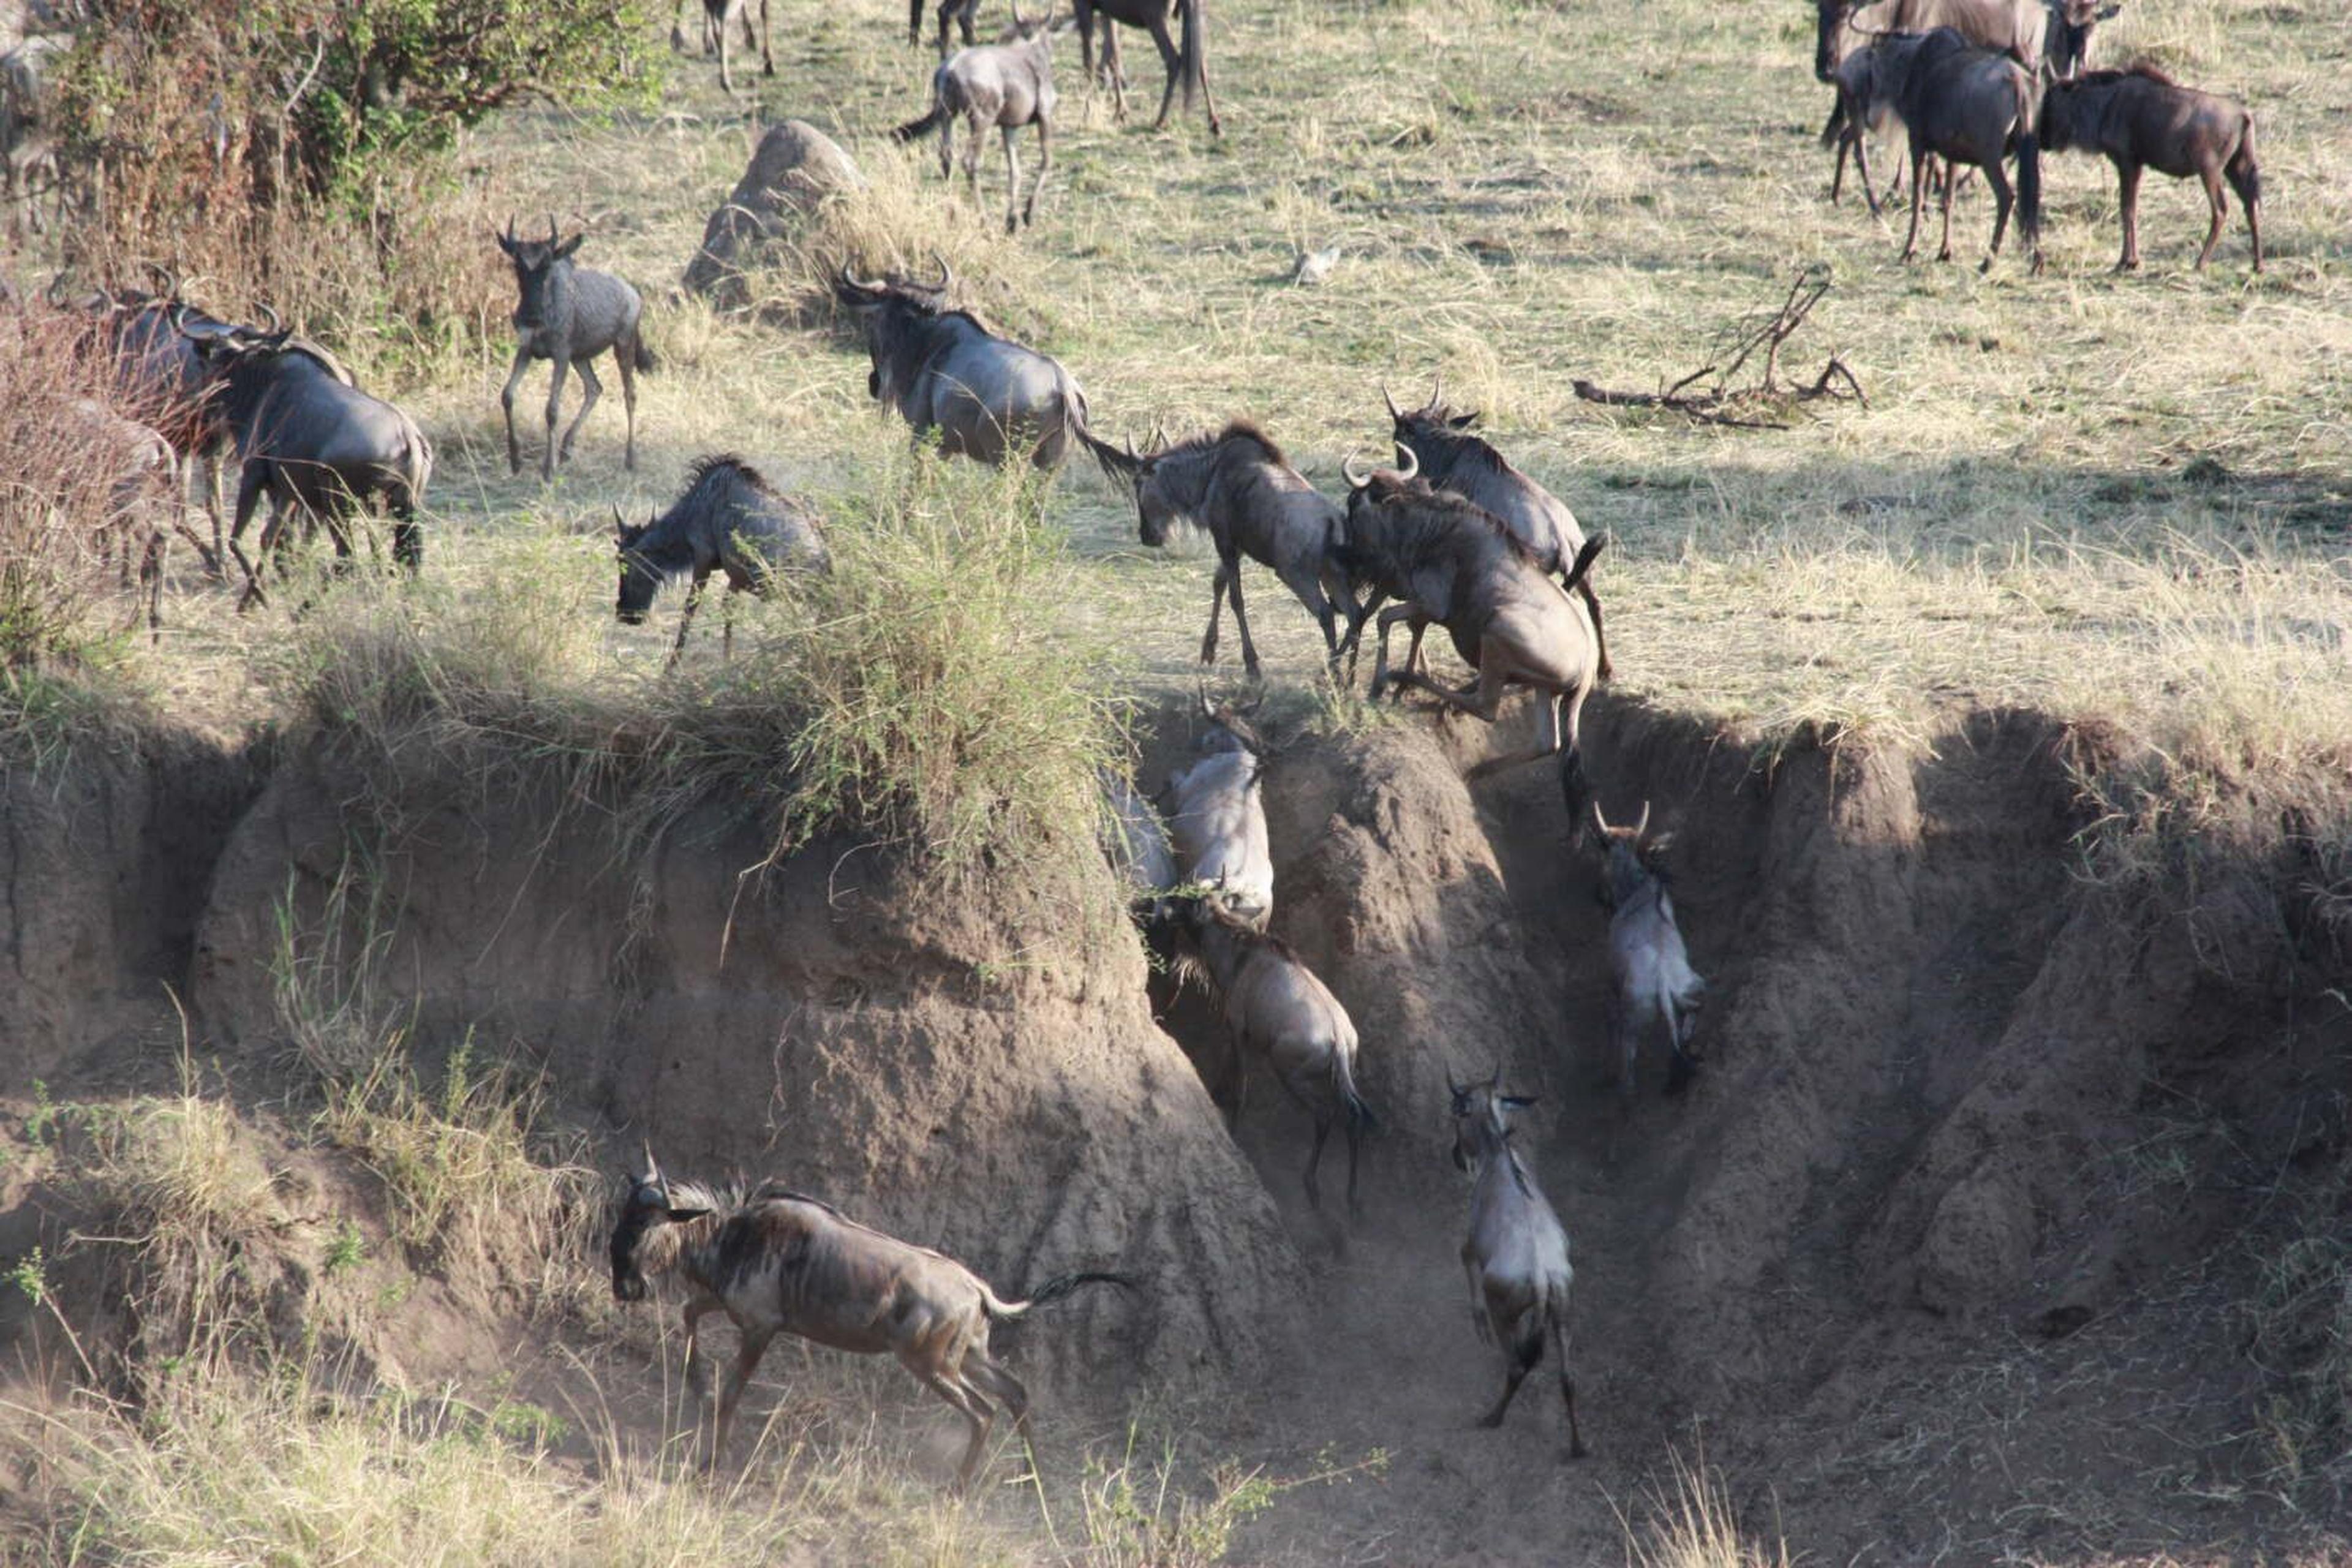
1689	1522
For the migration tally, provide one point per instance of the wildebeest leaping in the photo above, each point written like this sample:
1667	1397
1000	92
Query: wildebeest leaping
777	1262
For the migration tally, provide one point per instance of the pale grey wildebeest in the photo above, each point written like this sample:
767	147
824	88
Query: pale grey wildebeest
1008	85
730	519
1452	457
1187	64
568	314
1236	484
1966	105
1135	841
1515	1255
1453	564
1653	981
776	1262
1216	817
2141	120
717	16
984	396
1274	1007
314	445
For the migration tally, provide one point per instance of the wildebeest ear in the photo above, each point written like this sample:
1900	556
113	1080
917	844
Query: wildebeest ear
680	1216
563	251
1662	842
505	241
1463	421
1518	1102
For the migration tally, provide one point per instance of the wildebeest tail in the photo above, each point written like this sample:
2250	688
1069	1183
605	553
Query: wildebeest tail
2028	188
1053	1290
645	355
1836	125
2245	173
1343	1079
1571	579
1194	20
415	473
923	127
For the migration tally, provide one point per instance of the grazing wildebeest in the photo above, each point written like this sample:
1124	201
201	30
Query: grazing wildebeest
1452	457
2142	119
1216	816
1966	105
1007	85
1653	981
312	442
1515	1255
717	15
987	398
1453	564
730	519
1187	65
1274	1006
567	315
1236	484
777	1262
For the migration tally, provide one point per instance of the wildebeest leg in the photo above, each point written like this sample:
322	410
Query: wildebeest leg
1478	1319
973	131
976	1411
248	495
1116	67
1524	1356
727	622
677	28
506	402
1315	1158
151	580
915	21
1911	241
1011	180
1226	572
1862	167
592	389
626	352
1558	1315
1625	1040
1388	620
1009	1391
209	475
1998	178
685	615
754	1345
726	76
2211	177
1944	252
1241	617
1680	1065
1488	701
1208	98
2127	197
554	408
2245	179
767	42
1169	59
1045	167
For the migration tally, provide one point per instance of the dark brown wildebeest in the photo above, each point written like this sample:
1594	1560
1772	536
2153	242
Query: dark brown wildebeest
1516	1255
1236	484
986	397
1966	105
1452	457
777	1262
1653	981
1455	566
1274	1006
730	519
2141	119
1187	65
1007	85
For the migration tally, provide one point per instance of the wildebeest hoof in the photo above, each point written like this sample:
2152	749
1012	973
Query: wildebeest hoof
678	39
1986	265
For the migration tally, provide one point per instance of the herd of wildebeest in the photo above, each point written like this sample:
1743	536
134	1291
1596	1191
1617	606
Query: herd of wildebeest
1453	533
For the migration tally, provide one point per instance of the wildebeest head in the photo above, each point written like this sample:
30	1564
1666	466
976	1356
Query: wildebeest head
1228	727
1375	484
1429	429
644	1211
1829	16
2067	51
1635	856
640	578
1480	1121
535	263
893	308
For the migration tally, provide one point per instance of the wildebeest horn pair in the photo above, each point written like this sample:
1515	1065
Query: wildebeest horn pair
1640	827
1358	481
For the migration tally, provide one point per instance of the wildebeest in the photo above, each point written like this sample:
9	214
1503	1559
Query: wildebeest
717	14
1216	816
568	314
987	398
1274	1006
1452	457
2141	119
1187	65
1135	840
1236	484
1455	566
28	131
153	339
1007	85
730	519
137	465
777	1262
1515	1255
313	443
1966	105
1649	966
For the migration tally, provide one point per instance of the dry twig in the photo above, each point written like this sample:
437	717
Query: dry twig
1724	404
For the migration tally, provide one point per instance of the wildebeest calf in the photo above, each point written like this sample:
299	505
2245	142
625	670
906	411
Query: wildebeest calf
2141	119
567	315
730	520
1007	85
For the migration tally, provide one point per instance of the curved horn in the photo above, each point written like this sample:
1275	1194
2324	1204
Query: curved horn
947	273
1598	820
1412	462
858	283
163	276
1436	388
510	233
1356	482
553	233
1390	401
620	523
276	326
1201	690
1643	825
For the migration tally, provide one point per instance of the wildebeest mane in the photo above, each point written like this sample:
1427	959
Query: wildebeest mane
703	467
1427	530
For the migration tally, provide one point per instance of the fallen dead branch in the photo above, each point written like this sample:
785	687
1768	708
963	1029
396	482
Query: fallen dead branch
1749	408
